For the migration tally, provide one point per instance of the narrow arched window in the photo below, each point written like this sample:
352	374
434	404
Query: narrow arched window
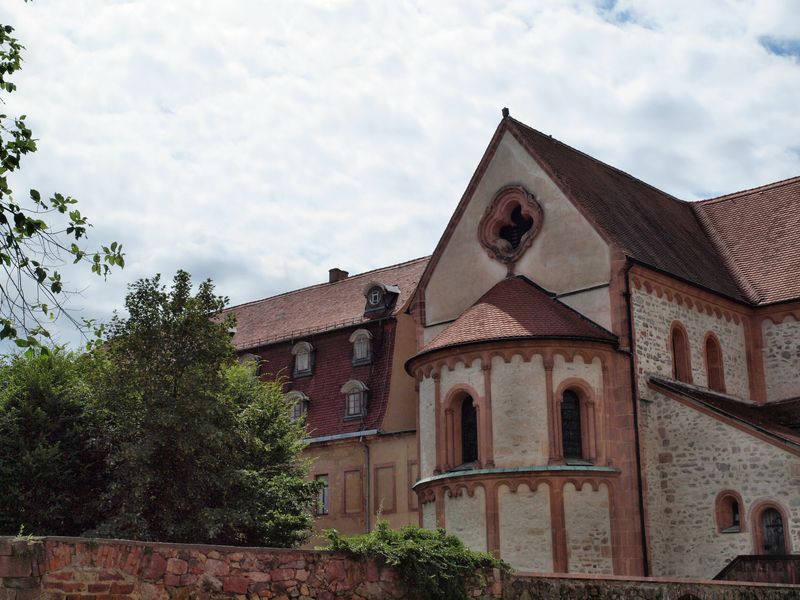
715	372
469	431
355	399
571	439
681	360
729	512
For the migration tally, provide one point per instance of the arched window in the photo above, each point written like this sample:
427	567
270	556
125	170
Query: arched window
770	529
729	512
303	353
469	431
355	399
362	346
681	359
714	370
298	405
571	438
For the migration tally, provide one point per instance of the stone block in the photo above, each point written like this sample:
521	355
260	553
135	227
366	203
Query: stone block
15	566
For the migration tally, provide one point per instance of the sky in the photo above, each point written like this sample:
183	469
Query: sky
260	143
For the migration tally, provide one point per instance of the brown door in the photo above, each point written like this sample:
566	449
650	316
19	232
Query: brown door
772	528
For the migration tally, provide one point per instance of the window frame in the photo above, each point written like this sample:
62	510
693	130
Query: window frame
361	338
303	349
715	369
681	353
297	399
322	505
724	516
356	391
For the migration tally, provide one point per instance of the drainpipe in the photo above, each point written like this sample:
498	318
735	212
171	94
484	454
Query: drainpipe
367	486
635	389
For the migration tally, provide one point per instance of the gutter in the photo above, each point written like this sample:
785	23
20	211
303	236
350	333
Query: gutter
342	436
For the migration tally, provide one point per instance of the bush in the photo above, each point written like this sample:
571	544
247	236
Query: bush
432	564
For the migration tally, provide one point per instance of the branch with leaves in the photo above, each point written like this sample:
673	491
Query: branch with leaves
37	236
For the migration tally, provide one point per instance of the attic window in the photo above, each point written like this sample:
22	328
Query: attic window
519	226
511	222
375	296
362	346
355	396
298	405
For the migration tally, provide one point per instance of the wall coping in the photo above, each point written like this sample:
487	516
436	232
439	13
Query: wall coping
632	579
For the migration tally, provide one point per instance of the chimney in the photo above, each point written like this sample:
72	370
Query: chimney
336	274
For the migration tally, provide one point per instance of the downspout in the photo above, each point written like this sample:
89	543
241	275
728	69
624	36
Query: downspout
367	495
637	445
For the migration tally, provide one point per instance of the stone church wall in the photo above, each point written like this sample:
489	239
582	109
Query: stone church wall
427	427
691	457
782	358
526	540
653	317
519	412
465	517
586	513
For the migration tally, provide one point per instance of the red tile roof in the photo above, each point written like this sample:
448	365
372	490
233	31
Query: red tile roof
758	233
762	418
647	224
318	308
516	308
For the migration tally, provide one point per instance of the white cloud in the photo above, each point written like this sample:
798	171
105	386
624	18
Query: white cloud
261	143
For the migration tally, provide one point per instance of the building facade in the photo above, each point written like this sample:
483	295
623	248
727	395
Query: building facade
588	375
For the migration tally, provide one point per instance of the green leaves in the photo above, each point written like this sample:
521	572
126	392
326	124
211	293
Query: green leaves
35	234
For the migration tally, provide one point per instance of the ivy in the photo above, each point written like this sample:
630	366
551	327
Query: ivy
432	564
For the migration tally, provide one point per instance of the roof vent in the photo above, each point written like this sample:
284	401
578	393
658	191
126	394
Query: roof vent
336	274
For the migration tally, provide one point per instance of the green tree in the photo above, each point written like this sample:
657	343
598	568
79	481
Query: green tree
203	452
36	233
52	448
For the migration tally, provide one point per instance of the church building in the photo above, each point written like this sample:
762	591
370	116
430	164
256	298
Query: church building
588	375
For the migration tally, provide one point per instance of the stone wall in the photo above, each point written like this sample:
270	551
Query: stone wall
691	457
526	537
586	514
82	569
653	315
465	517
781	358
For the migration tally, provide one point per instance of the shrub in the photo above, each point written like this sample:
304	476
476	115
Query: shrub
432	564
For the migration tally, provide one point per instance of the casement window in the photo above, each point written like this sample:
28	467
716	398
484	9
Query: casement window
362	346
355	399
714	367
681	358
298	405
303	353
571	435
323	506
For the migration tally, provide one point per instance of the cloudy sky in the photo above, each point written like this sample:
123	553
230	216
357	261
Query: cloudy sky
260	143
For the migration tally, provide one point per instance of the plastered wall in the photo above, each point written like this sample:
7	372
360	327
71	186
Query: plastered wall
591	373
653	316
526	540
427	427
429	515
465	517
586	512
519	412
782	358
690	457
567	255
471	375
594	304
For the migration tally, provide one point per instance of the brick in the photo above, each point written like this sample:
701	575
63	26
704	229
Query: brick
61	575
172	580
109	576
177	566
15	566
6	547
216	567
97	588
236	585
156	567
121	588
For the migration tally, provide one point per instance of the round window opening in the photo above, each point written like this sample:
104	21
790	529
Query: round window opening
511	222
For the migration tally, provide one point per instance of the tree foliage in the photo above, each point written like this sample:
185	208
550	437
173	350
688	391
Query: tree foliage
36	233
52	445
432	564
203	451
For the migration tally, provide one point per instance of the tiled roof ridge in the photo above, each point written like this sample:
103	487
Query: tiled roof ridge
599	162
748	191
319	285
744	285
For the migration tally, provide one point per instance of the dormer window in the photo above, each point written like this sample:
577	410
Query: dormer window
362	347
303	359
355	399
298	405
375	296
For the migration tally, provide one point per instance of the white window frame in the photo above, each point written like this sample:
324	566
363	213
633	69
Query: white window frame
362	346
303	353
355	399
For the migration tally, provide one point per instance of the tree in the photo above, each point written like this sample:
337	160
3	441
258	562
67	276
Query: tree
52	448
203	451
35	233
